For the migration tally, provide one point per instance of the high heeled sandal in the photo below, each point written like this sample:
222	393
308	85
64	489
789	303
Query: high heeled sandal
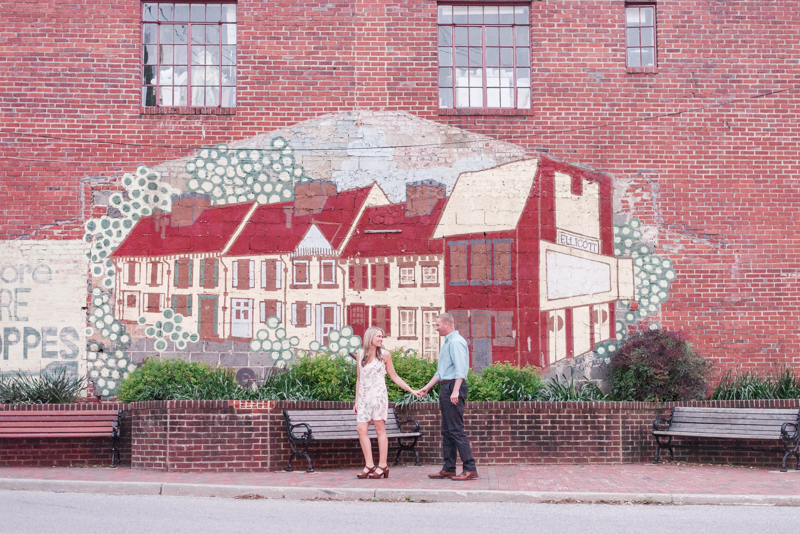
368	471
384	472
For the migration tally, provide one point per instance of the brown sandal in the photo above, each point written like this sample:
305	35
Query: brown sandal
384	472
366	472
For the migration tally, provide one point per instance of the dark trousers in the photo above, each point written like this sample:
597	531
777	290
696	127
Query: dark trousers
454	439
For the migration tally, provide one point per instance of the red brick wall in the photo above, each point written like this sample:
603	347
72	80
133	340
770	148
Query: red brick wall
718	180
64	452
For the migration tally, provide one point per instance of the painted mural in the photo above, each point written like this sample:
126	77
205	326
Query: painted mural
252	254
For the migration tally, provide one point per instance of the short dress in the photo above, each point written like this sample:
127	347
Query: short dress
372	399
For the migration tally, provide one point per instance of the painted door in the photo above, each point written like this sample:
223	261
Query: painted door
327	320
481	339
556	335
430	337
207	324
242	318
358	318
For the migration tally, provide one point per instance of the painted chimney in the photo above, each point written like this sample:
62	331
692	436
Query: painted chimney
422	196
188	207
310	197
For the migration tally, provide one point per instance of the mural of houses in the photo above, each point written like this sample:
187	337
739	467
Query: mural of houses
521	255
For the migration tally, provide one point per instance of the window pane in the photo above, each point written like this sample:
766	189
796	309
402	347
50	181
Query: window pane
523	77
462	36
149	55
212	96
181	76
166	34
149	12
492	36
445	36
521	15
646	16
198	12
492	77
506	15
475	57
212	75
475	36
506	57
166	13
228	75
462	98
445	98
493	98
198	75
212	55
459	14
506	37
165	57
446	57
198	34
229	13
475	15
446	77
180	97
476	77
182	13
506	77
213	13
229	34
165	96
149	75
493	57
633	57
632	16
648	57
212	34
180	33
228	97
198	55
506	97
445	15
523	59
462	77
165	76
462	57
523	98
148	96
181	52
476	98
229	55
633	36
522	38
149	34
198	94
647	37
490	15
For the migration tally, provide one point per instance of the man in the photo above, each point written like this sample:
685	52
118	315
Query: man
451	374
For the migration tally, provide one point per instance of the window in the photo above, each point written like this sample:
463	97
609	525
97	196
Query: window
184	270
130	300
408	323
503	329
271	275
382	318
131	273
300	275
154	302
244	274
182	304
270	308
407	276
480	262
359	277
430	275
379	276
209	273
189	54
640	30
155	273
301	314
327	272
484	57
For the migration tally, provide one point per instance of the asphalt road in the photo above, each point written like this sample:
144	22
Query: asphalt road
23	512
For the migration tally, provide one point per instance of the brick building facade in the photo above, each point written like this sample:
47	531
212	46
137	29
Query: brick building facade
690	107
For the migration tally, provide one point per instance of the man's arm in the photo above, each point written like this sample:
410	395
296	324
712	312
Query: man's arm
460	355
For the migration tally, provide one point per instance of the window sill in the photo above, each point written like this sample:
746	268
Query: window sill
406	286
485	111
300	286
429	285
408	338
642	70
185	111
327	286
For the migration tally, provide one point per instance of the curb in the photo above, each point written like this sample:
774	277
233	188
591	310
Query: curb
408	495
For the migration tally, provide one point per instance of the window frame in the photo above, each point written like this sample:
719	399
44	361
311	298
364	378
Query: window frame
401	334
517	88
644	69
154	106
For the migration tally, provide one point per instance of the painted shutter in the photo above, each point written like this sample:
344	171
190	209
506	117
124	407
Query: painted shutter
189	305
251	275
203	273
235	274
279	310
262	311
175	303
277	274
294	314
190	274
386	276
337	318
373	275
264	274
351	277
387	320
177	277
216	274
318	324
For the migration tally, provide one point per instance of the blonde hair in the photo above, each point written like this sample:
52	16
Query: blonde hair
447	318
366	343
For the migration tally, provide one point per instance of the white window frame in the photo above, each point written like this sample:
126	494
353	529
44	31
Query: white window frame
408	325
407	275
322	264
427	278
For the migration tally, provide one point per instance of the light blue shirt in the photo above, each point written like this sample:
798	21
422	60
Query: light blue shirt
453	358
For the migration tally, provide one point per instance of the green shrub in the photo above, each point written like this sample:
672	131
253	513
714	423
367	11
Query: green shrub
328	377
750	385
175	379
658	365
48	388
566	391
505	382
415	371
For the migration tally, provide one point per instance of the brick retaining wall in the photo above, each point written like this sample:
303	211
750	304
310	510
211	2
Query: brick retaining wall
250	436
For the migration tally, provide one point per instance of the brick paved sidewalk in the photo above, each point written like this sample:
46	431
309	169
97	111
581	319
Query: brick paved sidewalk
548	481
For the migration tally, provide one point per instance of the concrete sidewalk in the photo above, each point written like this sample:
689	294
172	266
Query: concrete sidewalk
646	483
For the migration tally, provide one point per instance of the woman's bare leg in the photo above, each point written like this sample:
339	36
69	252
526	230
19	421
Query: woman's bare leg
383	441
366	444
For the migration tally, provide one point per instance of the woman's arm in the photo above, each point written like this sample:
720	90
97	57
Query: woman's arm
387	358
358	379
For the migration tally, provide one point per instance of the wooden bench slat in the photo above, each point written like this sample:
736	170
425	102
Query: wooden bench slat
727	430
34	424
57	435
743	411
732	417
716	435
49	428
723	428
64	413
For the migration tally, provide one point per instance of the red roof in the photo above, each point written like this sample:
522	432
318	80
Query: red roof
209	233
386	231
266	231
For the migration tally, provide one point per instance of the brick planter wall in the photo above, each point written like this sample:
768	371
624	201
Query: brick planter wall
64	452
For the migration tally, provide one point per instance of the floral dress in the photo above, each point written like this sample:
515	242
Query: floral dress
372	399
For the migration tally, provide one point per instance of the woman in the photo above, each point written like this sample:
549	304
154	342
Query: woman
372	399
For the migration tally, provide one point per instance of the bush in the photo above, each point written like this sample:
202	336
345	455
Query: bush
505	382
563	391
48	388
180	380
414	370
750	385
658	365
324	376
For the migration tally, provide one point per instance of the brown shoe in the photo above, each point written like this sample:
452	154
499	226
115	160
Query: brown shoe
467	475
443	474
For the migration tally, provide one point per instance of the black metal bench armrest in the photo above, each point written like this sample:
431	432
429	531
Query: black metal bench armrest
662	424
401	423
786	435
306	436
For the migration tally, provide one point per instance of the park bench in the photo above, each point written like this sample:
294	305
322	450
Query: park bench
730	423
307	426
64	424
